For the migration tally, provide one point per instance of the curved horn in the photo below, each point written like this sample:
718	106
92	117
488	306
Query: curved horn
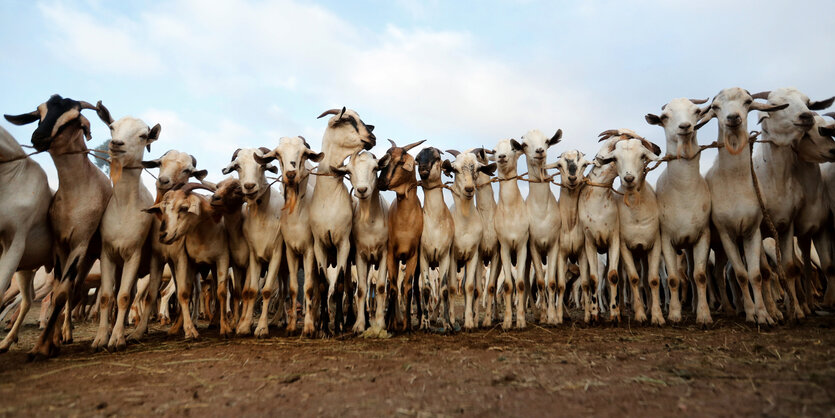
264	150
328	112
85	105
342	113
830	114
193	161
761	95
453	152
393	145
235	154
698	101
189	187
412	145
607	134
305	142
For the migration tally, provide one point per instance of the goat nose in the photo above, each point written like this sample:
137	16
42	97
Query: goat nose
362	190
290	174
684	125
164	180
629	178
540	150
249	186
733	117
806	117
572	178
469	189
117	143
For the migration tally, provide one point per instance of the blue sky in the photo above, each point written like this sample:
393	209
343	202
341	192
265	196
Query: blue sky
223	75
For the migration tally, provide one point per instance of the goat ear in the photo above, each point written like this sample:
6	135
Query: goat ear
228	169
764	107
314	156
821	104
516	145
153	210
653	119
24	118
488	169
604	158
199	174
383	162
271	168
707	115
194	207
409	164
826	130
153	135
151	163
556	138
340	171
652	146
104	114
85	126
447	168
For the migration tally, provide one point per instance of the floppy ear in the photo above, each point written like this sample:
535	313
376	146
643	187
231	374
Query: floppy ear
821	104
409	164
653	119
85	126
488	169
764	107
341	171
104	114
651	155
383	162
447	168
268	157
194	207
605	158
151	163
556	138
707	115
155	210
271	168
24	118
228	169
200	174
314	156
516	145
826	131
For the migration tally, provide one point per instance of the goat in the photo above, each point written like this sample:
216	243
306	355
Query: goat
544	223
468	226
405	226
293	155
597	210
187	216
124	227
512	229
370	234
331	210
683	203
489	247
25	233
572	165
638	215
774	162
735	211
261	227
175	168
437	235
77	207
227	202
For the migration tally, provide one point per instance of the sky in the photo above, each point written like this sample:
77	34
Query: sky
224	75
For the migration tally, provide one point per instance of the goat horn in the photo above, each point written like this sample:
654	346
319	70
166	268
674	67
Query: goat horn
393	145
305	142
412	145
264	150
189	187
193	161
607	134
342	113
235	154
329	112
453	152
85	105
761	95
830	114
698	101
663	107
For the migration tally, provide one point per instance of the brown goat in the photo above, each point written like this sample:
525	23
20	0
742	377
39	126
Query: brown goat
405	225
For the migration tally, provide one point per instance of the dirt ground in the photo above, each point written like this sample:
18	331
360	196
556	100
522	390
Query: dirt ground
731	369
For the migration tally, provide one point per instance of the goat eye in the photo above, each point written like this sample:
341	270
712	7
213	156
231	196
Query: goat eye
143	136
183	208
748	102
714	107
664	117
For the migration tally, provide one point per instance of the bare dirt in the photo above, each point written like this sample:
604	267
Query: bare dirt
730	369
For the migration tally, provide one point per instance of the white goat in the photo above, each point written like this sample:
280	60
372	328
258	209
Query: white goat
293	154
638	216
544	224
468	226
512	228
25	235
124	226
370	235
331	211
774	162
489	246
683	203
572	165
735	211
261	227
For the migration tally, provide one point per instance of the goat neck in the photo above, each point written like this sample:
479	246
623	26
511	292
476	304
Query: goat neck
71	163
732	165
569	199
484	198
538	190
509	192
684	170
371	207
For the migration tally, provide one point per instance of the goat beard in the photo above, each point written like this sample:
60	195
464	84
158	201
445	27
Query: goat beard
636	195
740	136
115	171
291	198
